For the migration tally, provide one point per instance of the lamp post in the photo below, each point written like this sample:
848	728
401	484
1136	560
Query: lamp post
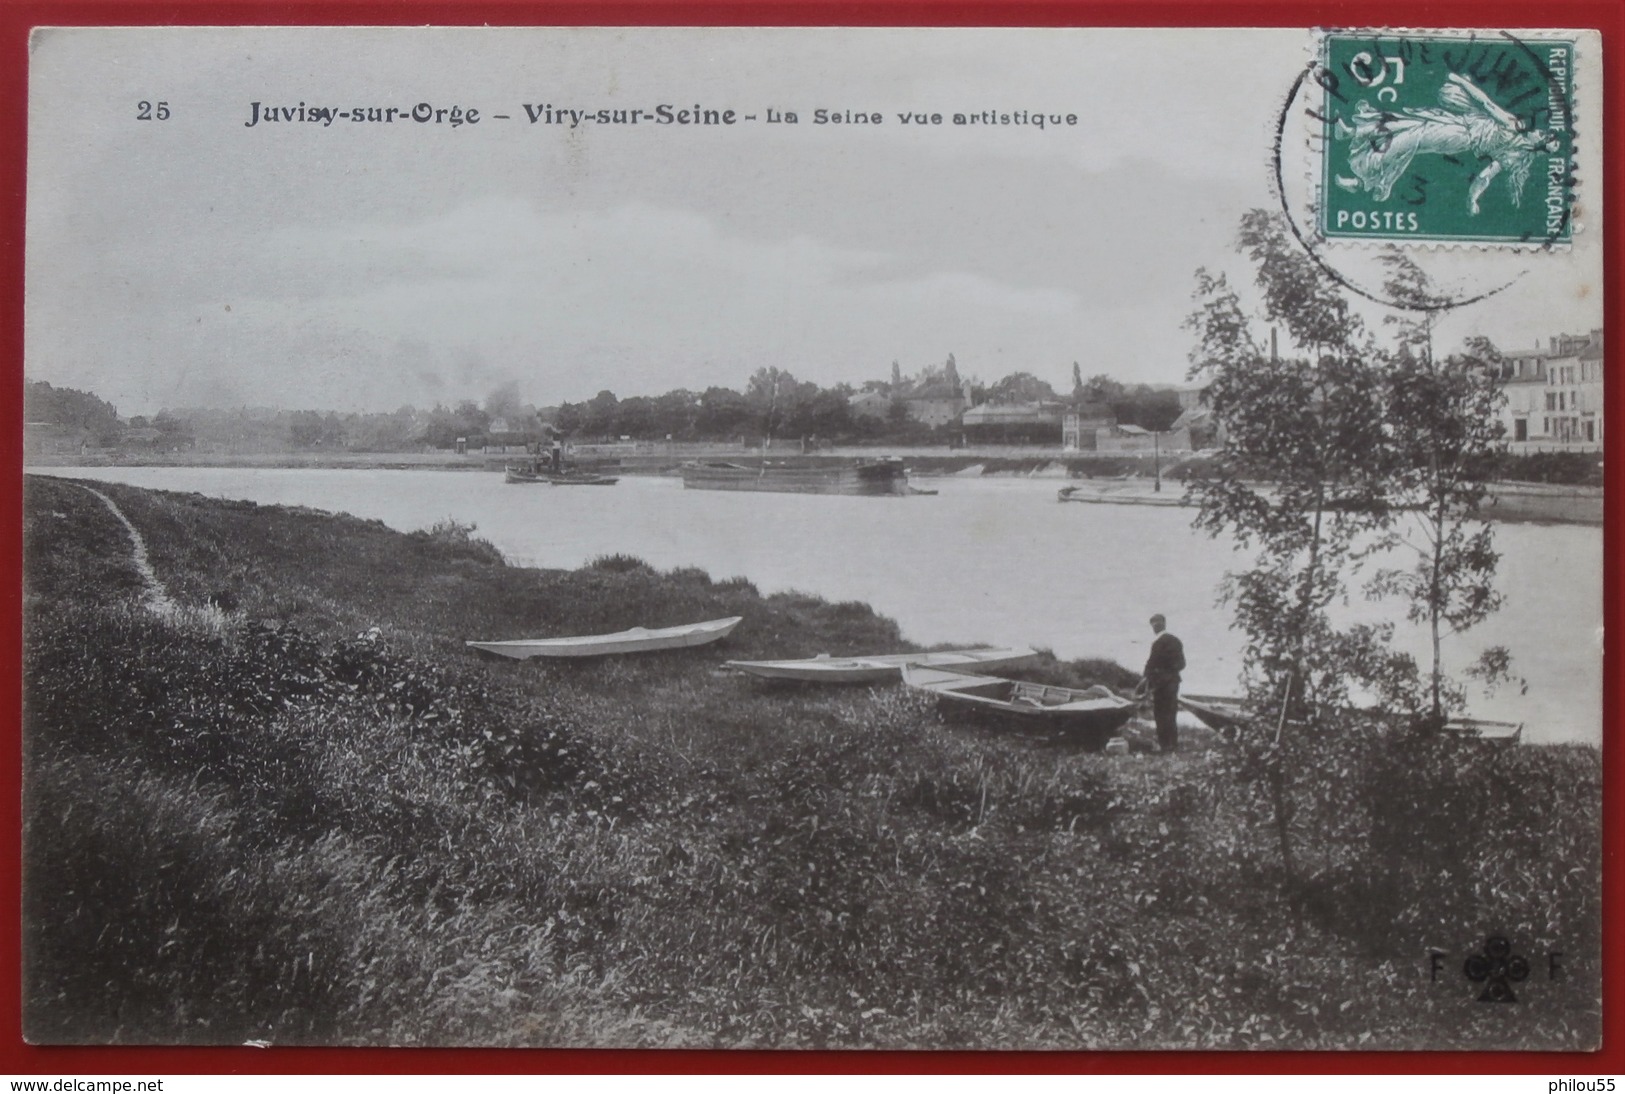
1156	460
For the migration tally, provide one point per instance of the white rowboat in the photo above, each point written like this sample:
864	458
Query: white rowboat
874	668
635	640
1479	729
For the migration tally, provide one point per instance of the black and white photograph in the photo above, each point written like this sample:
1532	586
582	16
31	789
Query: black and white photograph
814	538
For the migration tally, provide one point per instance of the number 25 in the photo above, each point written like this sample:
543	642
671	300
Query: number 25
144	111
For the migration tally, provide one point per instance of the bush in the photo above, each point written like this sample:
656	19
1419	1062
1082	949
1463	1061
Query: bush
620	564
1564	468
451	540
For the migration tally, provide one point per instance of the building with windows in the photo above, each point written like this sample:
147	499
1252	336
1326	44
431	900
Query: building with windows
936	403
869	404
1083	423
1523	382
1014	423
1554	392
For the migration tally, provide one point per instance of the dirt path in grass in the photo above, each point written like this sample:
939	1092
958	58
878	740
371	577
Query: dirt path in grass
157	597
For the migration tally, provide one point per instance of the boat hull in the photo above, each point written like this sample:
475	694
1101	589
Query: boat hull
1077	494
519	476
635	640
582	480
1502	734
877	668
883	478
1217	712
1088	717
1228	715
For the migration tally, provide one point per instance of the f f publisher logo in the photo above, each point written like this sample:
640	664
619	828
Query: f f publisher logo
1497	968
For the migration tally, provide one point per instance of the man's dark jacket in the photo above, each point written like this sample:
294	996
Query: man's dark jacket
1166	662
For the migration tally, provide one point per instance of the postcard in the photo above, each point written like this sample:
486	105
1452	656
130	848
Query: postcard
881	538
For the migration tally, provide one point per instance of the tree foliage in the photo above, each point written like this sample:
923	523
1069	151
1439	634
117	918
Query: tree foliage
1021	387
1346	452
70	407
1339	453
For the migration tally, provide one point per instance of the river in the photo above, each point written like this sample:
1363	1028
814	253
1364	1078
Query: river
987	560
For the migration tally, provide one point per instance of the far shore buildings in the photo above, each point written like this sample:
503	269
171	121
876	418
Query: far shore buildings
937	403
869	404
1554	393
933	403
1081	428
1013	423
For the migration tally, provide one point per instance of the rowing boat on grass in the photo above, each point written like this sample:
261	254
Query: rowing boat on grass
1228	715
875	668
635	640
1218	712
1088	716
1480	729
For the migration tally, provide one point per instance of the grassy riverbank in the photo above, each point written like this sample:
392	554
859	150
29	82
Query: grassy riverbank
298	809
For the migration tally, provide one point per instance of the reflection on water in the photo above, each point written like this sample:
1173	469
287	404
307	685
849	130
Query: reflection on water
987	560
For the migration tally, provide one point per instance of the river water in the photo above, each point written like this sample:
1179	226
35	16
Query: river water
987	560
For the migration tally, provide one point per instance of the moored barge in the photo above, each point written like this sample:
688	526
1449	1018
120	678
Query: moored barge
860	477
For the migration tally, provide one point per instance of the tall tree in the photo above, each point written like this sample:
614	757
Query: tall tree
775	398
1341	453
1020	387
1102	389
722	413
1299	481
598	415
675	413
637	417
68	406
1444	439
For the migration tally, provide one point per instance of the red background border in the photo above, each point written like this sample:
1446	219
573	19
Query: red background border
16	19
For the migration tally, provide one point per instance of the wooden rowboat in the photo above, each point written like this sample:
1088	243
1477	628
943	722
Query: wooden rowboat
1218	712
875	668
1228	715
1089	716
1504	734
635	640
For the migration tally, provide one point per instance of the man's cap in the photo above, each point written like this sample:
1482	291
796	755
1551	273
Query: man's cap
1158	618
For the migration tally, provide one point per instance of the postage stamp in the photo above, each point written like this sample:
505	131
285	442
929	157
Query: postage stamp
1448	138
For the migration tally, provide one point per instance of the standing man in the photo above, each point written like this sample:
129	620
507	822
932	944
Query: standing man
1162	669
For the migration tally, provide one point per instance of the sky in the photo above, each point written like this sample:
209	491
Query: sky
202	261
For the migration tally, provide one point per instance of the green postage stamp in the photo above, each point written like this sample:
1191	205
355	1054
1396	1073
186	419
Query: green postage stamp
1454	137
